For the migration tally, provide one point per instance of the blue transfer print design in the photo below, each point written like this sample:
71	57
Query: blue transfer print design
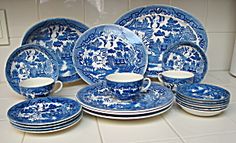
161	26
203	92
97	96
30	61
124	90
59	36
107	49
42	111
172	83
35	92
186	56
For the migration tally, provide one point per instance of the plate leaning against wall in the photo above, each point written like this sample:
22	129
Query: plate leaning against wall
107	49
59	36
160	26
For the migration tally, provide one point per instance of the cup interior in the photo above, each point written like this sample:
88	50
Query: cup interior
36	82
124	77
178	74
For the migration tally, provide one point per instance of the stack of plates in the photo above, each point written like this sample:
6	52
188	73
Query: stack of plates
98	101
202	99
43	115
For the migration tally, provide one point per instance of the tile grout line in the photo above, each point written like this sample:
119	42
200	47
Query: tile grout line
173	129
23	138
99	131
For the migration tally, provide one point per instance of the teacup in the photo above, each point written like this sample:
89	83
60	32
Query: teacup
125	86
173	78
39	87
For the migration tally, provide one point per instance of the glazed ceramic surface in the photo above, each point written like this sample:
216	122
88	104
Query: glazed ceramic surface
172	79
128	117
125	86
107	49
161	26
49	129
97	97
42	111
186	56
38	87
203	92
30	61
59	36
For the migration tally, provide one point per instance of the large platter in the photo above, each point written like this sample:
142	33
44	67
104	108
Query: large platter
43	111
97	98
160	26
59	36
30	61
107	49
186	56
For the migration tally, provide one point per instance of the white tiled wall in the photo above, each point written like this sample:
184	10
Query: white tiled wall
218	17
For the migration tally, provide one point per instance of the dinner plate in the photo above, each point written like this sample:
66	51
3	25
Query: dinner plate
127	117
159	27
107	49
98	97
43	111
30	61
186	56
49	129
59	36
203	92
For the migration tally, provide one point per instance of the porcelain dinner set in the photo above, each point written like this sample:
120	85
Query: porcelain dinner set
119	62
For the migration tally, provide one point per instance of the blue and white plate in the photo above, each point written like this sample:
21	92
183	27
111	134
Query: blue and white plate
186	56
43	111
98	98
107	49
203	92
30	61
160	26
49	129
59	36
128	117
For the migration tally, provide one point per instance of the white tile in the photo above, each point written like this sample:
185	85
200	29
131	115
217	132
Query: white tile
223	78
210	78
104	11
85	131
71	89
163	141
230	112
73	9
5	53
187	125
5	105
9	134
20	15
221	16
220	50
216	138
145	130
139	3
197	8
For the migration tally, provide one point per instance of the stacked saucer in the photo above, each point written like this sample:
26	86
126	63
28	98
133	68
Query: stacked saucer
202	99
43	115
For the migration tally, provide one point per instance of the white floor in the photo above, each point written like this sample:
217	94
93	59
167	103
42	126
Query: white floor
175	126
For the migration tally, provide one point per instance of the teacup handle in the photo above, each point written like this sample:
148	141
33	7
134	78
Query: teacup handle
144	89
60	86
159	76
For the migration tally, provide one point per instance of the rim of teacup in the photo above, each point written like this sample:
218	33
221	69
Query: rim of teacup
36	82
124	77
178	74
